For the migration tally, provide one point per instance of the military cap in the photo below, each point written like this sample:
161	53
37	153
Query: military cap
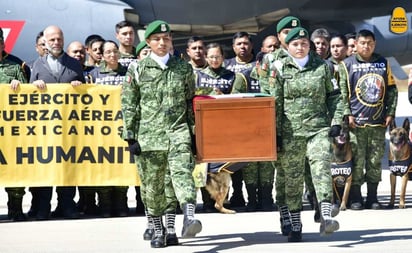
287	22
157	26
1	34
142	44
296	33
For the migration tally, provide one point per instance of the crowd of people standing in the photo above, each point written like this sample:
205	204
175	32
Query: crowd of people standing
316	79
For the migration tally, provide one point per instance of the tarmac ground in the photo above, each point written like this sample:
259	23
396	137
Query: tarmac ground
360	231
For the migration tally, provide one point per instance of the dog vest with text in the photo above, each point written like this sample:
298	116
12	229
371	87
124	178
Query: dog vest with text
400	168
341	171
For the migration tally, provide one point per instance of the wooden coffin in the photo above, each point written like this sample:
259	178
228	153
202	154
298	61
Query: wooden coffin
231	128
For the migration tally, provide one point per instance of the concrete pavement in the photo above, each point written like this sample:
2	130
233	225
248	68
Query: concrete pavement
360	231
368	231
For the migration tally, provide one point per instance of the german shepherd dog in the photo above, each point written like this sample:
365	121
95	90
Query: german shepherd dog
218	182
400	161
341	166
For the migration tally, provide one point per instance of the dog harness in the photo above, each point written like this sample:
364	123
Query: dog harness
229	167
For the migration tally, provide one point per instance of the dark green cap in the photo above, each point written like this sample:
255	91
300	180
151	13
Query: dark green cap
157	26
296	33
142	44
287	22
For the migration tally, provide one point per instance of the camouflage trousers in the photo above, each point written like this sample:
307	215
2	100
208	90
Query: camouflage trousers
370	148
171	202
308	176
259	173
166	179
318	151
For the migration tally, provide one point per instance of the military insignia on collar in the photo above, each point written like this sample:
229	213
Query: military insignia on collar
163	28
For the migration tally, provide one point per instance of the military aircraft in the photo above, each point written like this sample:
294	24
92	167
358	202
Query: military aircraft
214	20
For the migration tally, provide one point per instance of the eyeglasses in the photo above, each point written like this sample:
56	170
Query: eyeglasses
107	52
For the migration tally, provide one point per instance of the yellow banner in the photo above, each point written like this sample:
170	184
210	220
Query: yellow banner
63	136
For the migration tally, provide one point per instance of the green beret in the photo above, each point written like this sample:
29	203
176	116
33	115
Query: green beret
287	22
157	26
142	44
296	33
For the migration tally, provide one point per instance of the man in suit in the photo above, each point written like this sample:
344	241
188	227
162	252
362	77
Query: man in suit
56	67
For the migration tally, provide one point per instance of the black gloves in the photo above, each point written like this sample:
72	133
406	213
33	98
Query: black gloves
335	130
279	142
134	147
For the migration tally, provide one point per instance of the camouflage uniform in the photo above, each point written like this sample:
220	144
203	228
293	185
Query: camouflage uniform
158	113
237	200
371	95
258	176
268	63
208	81
9	71
303	123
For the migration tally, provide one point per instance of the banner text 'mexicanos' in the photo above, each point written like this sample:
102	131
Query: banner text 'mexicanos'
63	136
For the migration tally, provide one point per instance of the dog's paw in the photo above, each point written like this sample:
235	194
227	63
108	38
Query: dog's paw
402	206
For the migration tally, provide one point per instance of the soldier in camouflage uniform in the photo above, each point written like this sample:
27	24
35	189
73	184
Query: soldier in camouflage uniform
282	28
370	91
158	125
12	73
298	83
259	176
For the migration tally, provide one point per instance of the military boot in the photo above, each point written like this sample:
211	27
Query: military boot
252	197
285	220
171	237
87	200
105	201
295	234
327	224
148	233
119	198
159	238
356	197
140	209
372	198
15	210
237	199
266	201
34	201
191	226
